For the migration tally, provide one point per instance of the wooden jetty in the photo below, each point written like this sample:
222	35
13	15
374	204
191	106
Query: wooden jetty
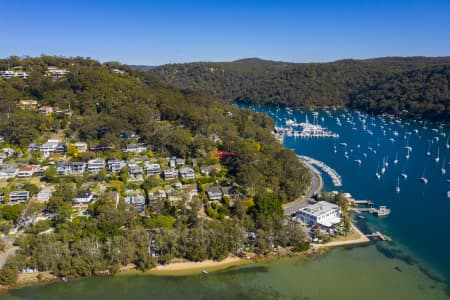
362	202
379	235
380	212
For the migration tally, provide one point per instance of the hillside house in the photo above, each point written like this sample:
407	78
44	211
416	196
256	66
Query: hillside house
18	196
152	169
95	165
187	173
116	166
214	193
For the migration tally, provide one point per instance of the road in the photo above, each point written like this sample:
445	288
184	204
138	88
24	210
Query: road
315	187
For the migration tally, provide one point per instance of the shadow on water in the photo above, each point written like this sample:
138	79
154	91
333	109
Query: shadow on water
396	253
243	270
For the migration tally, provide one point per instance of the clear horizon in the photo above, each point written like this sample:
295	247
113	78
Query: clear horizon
143	33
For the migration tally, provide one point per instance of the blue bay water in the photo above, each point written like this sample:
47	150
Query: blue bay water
420	220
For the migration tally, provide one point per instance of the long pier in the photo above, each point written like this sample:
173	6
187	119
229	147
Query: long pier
335	177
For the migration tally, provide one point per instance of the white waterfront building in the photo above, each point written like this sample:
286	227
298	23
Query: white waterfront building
321	213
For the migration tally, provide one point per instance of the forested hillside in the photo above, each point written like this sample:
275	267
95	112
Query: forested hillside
108	107
417	86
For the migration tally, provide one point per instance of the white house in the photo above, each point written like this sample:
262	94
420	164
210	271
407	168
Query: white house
25	172
321	213
95	165
18	196
63	168
116	165
152	169
48	148
170	174
11	74
83	198
56	73
187	173
136	148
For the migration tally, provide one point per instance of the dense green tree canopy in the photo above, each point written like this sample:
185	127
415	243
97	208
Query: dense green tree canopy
418	85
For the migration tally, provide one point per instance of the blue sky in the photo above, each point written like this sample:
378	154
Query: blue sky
158	32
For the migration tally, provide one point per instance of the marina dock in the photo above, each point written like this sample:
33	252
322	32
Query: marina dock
380	212
362	202
335	177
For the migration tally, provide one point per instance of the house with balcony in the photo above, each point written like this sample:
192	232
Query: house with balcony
214	193
116	166
56	73
170	174
136	199
152	169
14	74
49	148
63	168
84	199
18	196
25	172
95	165
136	171
187	173
135	148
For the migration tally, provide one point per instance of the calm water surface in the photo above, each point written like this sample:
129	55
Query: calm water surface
415	265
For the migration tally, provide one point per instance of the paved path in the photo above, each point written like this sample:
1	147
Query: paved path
315	187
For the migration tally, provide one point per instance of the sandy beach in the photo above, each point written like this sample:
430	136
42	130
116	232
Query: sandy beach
356	238
189	267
